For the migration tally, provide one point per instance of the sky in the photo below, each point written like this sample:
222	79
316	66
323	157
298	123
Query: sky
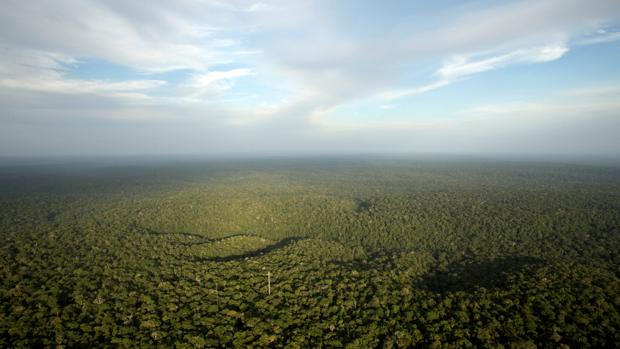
309	77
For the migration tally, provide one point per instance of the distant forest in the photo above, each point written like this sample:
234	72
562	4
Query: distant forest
361	253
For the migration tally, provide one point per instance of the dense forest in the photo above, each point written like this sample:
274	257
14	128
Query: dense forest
318	252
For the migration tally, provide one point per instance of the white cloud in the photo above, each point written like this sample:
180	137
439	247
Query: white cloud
601	37
415	91
460	66
501	35
211	77
215	82
519	24
154	38
260	7
80	86
198	35
44	72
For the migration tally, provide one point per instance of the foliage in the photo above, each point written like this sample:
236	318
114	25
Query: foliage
389	253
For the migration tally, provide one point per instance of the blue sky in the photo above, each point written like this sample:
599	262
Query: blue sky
303	77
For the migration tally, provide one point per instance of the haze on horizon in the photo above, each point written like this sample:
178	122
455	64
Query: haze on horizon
303	77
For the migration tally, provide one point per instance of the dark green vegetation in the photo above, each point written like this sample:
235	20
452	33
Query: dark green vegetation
385	253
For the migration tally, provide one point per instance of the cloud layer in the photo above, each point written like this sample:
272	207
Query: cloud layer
99	77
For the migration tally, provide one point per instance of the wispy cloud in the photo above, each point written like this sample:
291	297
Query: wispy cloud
215	82
459	67
392	95
601	36
260	7
154	39
45	72
80	86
